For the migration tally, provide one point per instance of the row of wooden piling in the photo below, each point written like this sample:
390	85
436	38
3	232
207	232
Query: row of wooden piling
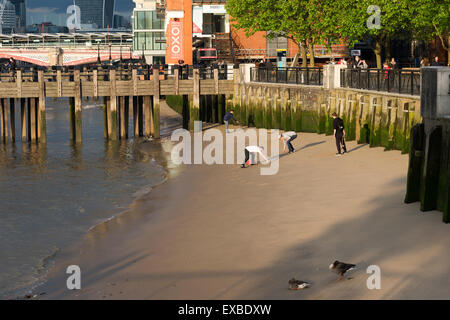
32	128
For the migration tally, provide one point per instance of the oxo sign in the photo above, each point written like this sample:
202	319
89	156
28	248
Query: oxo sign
175	40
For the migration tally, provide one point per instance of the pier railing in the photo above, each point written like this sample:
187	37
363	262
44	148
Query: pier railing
394	81
305	76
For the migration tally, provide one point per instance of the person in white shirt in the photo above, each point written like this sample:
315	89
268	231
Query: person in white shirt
253	150
287	138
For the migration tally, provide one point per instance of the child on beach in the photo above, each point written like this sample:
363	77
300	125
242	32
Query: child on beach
229	116
253	150
287	138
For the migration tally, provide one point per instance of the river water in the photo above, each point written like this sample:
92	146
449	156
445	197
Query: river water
50	196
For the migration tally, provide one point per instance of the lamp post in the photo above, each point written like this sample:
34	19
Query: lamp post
99	61
110	58
143	57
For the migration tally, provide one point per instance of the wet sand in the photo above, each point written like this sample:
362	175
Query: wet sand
222	232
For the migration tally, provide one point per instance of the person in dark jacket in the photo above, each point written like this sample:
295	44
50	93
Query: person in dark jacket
228	116
339	134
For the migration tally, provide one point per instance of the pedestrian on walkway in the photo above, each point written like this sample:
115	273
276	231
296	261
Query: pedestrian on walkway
339	134
228	116
287	138
253	150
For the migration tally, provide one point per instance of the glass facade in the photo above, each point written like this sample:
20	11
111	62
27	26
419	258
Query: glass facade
148	31
149	41
99	12
147	20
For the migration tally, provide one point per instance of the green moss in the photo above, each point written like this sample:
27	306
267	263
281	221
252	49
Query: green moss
176	103
309	121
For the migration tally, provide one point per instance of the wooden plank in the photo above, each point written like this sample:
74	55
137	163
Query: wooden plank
32	115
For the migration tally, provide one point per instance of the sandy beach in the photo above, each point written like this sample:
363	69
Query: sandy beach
222	232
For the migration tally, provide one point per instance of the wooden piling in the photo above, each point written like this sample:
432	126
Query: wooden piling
105	117
148	115
112	110
78	101
122	117
12	117
23	119
134	102
2	123
156	104
32	119
429	190
5	119
42	126
194	105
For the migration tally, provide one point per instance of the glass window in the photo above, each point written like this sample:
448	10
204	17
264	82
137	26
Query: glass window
157	23
140	18
149	40
148	20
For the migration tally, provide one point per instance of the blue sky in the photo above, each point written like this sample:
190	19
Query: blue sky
39	11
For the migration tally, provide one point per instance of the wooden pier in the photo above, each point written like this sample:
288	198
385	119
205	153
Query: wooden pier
124	92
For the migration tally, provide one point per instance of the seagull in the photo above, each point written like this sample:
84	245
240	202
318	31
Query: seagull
295	284
340	268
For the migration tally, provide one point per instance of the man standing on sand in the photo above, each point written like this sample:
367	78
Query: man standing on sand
228	116
339	133
287	138
254	150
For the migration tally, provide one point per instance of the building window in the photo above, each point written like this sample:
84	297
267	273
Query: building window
148	20
150	40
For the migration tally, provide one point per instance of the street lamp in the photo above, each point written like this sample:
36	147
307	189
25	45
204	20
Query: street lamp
143	57
110	58
99	61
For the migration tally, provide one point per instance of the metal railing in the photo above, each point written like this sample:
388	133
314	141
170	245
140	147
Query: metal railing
305	76
395	81
123	72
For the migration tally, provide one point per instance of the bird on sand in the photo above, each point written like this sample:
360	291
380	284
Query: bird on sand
295	284
341	268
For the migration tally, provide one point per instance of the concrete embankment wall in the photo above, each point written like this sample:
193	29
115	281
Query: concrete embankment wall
429	158
379	119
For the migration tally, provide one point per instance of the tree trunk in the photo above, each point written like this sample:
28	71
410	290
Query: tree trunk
387	49
377	51
448	51
311	53
303	54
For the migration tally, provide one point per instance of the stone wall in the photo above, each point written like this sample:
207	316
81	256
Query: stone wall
379	119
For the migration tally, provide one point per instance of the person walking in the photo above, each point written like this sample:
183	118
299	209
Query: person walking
253	150
339	134
228	116
287	138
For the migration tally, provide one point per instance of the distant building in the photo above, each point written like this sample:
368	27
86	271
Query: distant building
148	31
121	22
7	17
46	27
21	12
98	13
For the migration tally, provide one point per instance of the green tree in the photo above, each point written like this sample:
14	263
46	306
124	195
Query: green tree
431	18
293	19
355	21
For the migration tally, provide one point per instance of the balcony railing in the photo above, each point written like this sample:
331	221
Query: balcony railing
305	76
395	81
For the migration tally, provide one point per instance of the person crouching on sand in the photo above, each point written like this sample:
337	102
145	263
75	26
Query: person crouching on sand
287	138
253	150
229	116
